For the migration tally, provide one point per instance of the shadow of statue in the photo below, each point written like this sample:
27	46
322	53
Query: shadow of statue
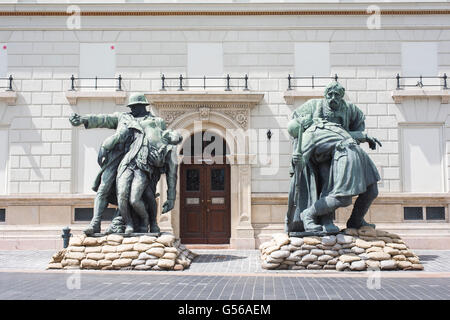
211	258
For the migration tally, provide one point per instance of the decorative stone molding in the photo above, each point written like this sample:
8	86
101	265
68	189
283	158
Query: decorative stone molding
118	96
383	198
240	116
400	95
235	106
291	95
9	97
213	100
170	115
47	200
204	113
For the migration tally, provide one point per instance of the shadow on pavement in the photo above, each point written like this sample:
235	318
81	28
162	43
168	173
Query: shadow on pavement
206	258
427	257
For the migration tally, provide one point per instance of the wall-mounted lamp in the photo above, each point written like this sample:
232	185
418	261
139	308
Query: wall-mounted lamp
269	134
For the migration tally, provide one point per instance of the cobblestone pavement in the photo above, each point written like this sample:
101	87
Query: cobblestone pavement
215	261
142	285
219	275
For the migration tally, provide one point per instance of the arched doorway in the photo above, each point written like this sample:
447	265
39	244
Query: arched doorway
205	215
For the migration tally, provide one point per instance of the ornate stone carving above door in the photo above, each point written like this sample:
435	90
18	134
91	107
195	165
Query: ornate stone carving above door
235	106
170	115
204	113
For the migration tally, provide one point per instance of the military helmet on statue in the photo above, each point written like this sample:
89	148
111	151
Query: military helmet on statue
137	98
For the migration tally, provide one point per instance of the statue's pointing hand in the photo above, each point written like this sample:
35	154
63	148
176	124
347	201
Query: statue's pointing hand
168	205
373	142
75	119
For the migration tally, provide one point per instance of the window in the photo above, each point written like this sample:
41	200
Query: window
435	213
3	61
416	213
419	58
97	60
413	213
422	159
89	143
205	59
2	215
86	214
312	58
3	159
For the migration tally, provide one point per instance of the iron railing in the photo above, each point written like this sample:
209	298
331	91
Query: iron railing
9	81
74	86
181	82
312	82
420	83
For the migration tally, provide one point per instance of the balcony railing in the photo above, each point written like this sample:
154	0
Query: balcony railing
420	83
8	81
201	82
309	82
95	83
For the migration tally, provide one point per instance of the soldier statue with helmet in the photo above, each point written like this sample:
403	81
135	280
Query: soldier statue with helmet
132	161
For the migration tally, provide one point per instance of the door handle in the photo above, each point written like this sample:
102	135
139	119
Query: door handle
209	200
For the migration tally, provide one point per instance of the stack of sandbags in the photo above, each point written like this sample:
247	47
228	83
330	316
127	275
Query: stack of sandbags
351	250
115	252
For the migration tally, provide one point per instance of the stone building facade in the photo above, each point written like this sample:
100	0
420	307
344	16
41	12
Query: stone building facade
47	167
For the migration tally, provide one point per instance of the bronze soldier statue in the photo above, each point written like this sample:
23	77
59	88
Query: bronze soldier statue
119	153
329	165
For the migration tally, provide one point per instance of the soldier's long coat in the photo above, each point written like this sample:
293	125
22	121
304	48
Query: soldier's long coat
348	176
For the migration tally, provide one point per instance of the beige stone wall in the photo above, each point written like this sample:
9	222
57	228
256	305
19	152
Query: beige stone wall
42	56
43	215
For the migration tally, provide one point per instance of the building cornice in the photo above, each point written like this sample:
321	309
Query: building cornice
400	95
229	13
383	198
189	99
9	97
252	8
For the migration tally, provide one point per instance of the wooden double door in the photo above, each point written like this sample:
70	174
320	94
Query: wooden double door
205	203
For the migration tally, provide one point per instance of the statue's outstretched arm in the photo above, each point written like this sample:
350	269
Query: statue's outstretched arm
109	121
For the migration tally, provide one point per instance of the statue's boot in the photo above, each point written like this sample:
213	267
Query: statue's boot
308	218
128	221
328	224
91	229
154	228
322	211
129	229
358	223
143	228
361	207
152	219
109	230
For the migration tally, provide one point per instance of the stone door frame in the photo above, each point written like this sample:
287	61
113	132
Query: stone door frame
217	112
